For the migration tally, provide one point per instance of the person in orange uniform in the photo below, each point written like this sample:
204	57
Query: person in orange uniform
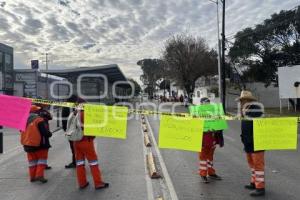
250	108
85	149
46	115
35	140
209	143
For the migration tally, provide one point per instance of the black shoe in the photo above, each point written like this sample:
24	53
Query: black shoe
204	179
258	193
32	180
70	166
215	177
41	179
104	185
48	167
84	186
251	186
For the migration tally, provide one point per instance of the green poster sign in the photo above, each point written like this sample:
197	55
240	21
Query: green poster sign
210	111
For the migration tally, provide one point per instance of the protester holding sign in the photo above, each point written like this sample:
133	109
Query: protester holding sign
250	108
84	149
66	111
209	142
35	140
46	115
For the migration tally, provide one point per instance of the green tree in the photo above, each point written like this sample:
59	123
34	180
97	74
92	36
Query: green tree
271	44
152	72
187	58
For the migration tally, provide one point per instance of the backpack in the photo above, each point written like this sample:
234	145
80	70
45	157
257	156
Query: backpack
32	136
74	131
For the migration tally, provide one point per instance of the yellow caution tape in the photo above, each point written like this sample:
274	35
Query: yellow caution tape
135	111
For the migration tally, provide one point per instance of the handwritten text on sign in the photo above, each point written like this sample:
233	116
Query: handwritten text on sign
181	133
210	111
105	121
14	111
275	133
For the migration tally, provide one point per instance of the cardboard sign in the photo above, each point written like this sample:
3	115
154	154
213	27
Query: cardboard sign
181	133
105	121
14	111
275	133
210	110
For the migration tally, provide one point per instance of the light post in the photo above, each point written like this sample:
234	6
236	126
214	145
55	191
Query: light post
218	48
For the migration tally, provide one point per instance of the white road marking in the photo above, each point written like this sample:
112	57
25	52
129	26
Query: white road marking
162	164
147	178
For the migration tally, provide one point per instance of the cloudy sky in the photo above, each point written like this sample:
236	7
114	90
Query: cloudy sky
96	32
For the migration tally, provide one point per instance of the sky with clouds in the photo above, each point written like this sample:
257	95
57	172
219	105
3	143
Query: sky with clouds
95	32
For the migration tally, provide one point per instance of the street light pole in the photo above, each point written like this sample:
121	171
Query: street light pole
223	59
219	52
218	49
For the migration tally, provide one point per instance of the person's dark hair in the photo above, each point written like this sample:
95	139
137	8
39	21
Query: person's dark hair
73	98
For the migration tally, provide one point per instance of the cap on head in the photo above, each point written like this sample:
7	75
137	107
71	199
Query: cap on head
246	95
34	108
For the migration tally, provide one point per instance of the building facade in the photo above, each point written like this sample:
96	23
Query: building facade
6	69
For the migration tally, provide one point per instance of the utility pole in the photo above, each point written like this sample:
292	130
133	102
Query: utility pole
218	49
223	59
47	78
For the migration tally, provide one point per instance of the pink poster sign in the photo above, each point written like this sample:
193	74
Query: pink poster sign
14	111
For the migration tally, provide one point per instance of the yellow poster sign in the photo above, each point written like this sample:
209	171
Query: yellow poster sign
181	133
105	121
275	133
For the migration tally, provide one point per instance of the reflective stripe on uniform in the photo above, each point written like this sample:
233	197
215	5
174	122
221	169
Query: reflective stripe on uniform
260	180
210	164
42	162
33	163
79	162
93	162
202	168
202	162
260	173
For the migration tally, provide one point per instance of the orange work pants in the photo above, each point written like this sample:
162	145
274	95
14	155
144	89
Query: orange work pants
37	163
256	162
206	157
85	149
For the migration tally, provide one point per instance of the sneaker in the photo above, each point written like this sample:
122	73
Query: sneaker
204	179
41	179
258	193
32	180
215	177
48	167
104	185
251	186
70	166
84	186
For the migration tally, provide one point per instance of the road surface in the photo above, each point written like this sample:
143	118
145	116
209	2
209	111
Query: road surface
123	166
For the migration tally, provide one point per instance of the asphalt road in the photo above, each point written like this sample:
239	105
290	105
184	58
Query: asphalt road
123	166
282	170
121	161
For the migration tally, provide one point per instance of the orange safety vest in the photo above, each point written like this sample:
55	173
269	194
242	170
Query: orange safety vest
32	136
